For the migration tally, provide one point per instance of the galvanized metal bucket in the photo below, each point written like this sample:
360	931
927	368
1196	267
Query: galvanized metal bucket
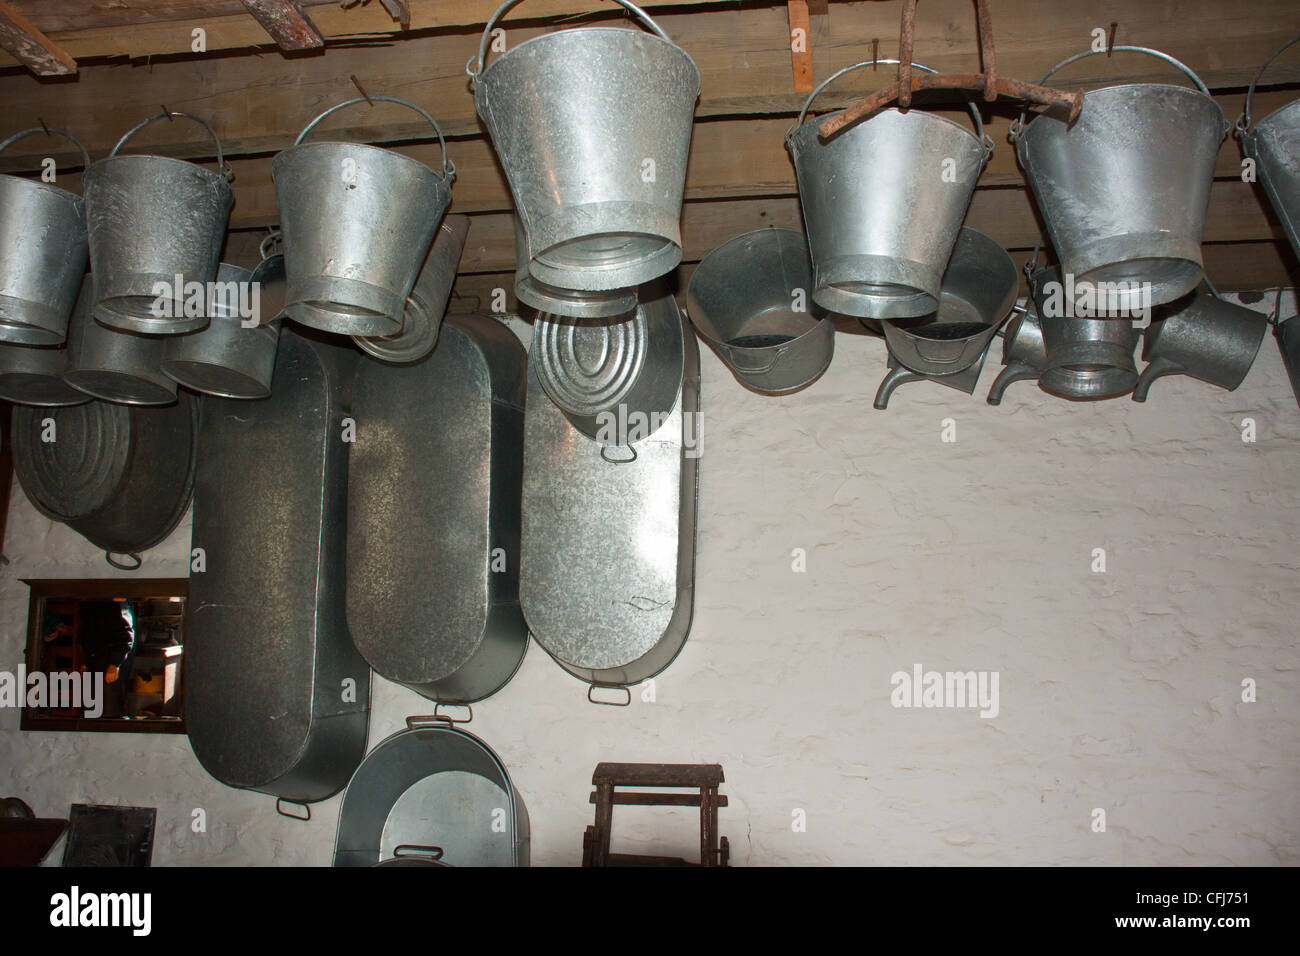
427	302
358	221
592	127
1288	343
156	226
750	300
113	364
900	374
615	380
882	205
33	375
978	291
228	359
434	790
1274	144
43	253
1203	337
551	300
1023	353
1087	358
1124	190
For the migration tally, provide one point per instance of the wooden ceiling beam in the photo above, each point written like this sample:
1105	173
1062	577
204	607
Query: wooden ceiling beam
29	46
287	23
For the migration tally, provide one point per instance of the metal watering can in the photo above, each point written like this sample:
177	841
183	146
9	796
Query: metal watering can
357	223
1124	191
880	216
592	127
43	253
742	301
1274	144
1087	358
1203	337
154	222
1023	353
899	374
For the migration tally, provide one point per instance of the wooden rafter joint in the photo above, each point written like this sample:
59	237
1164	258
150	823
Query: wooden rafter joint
399	10
32	48
800	45
287	23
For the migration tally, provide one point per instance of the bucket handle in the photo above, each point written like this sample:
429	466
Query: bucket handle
448	167
979	122
1243	121
1019	123
85	156
476	63
221	162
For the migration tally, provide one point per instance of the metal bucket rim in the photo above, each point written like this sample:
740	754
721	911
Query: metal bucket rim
50	187
1164	87
215	177
706	326
284	156
171	368
797	132
669	44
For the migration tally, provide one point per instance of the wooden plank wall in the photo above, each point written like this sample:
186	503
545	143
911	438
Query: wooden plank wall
740	176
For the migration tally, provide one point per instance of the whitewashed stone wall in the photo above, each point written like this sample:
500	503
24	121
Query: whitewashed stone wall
1120	691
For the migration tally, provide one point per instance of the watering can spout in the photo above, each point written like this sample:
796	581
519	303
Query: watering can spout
1156	369
1008	375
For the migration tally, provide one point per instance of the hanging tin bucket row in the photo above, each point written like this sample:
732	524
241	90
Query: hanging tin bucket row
43	253
427	303
551	300
154	222
883	202
1274	144
1124	190
607	373
979	287
358	221
592	127
1204	337
114	365
1087	358
234	357
749	299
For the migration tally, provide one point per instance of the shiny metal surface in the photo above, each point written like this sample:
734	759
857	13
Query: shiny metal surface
1274	144
550	300
33	375
432	786
592	127
433	492
276	695
1288	343
600	372
1124	191
978	291
113	364
357	222
880	212
1203	337
427	302
1023	354
742	298
608	563
225	359
120	477
43	254
151	220
1087	358
899	374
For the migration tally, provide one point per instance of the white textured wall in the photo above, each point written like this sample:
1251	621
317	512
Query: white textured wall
1119	690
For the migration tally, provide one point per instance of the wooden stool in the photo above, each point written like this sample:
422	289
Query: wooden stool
704	777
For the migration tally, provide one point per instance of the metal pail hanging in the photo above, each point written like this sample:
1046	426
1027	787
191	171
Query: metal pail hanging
750	300
33	375
550	300
427	303
592	127
1124	191
978	291
357	223
156	226
112	364
432	789
1203	337
1023	353
882	205
615	380
1087	358
1288	343
228	358
43	253
1274	145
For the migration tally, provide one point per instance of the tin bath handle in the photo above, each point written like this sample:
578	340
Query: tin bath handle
448	167
610	703
735	353
134	555
476	64
1243	121
222	168
417	850
271	241
282	802
85	156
